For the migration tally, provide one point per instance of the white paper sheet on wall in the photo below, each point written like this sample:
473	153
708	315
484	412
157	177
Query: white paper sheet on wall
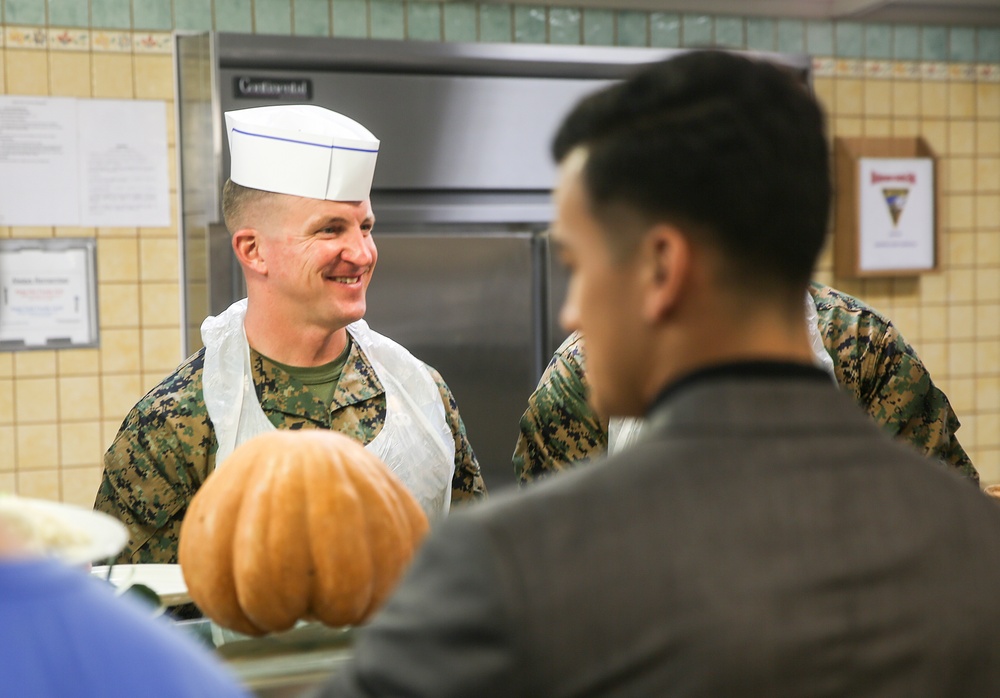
83	162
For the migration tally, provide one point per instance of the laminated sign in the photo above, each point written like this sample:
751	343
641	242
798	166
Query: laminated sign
886	213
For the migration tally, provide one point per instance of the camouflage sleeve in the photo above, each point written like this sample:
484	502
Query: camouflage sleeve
468	484
157	462
559	427
873	361
897	390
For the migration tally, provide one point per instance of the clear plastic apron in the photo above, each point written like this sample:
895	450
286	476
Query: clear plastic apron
623	431
415	441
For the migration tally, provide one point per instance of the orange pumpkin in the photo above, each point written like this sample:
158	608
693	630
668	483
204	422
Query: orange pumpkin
297	525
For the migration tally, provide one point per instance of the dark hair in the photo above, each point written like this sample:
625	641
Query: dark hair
725	147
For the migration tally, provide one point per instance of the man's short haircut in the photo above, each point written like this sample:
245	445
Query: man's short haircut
237	201
727	148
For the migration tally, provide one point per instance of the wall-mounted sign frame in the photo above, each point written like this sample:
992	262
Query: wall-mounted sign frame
886	207
48	293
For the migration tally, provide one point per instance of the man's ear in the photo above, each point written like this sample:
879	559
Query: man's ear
246	246
669	255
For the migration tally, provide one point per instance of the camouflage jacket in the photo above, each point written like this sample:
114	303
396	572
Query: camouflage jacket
166	446
871	360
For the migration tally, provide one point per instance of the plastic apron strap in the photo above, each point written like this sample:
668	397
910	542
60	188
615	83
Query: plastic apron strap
227	381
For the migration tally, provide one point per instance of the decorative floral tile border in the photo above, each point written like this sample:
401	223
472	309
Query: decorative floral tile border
826	67
58	39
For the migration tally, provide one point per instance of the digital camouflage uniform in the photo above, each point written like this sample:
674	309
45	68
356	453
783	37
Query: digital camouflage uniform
166	446
871	360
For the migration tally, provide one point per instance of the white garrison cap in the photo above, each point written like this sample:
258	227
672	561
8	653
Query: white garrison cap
303	150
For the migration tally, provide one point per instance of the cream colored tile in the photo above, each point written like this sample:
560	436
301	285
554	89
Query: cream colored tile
824	91
39	484
80	443
989	430
988	247
962	394
159	259
878	97
961	248
161	305
67	231
988	137
849	126
935	358
35	400
905	98
958	174
961	358
161	349
961	322
933	99
117	232
961	285
121	351
37	446
987	285
878	128
933	288
151	379
3	80
6	364
849	97
79	398
34	363
958	211
905	128
109	430
119	305
907	320
8	450
117	259
961	100
27	72
962	138
80	485
78	362
935	132
987	355
119	394
934	323
111	76
172	169
988	464
906	290
8	483
6	401
988	100
987	214
30	231
988	174
154	77
171	122
987	320
69	73
988	394
968	432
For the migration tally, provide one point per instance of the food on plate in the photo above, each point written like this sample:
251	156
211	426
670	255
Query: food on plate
297	525
30	527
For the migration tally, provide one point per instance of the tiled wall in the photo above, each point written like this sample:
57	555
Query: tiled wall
60	409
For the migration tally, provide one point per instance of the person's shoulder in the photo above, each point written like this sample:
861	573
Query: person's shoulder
182	389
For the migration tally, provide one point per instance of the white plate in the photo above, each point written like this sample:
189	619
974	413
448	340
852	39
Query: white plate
95	536
166	580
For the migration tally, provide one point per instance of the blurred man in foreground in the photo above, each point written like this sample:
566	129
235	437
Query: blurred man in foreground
763	537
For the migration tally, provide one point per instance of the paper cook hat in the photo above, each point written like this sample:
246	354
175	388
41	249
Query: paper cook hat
303	150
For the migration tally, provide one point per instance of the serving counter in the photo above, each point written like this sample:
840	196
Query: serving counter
280	664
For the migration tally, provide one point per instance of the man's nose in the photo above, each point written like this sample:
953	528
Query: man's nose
358	248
